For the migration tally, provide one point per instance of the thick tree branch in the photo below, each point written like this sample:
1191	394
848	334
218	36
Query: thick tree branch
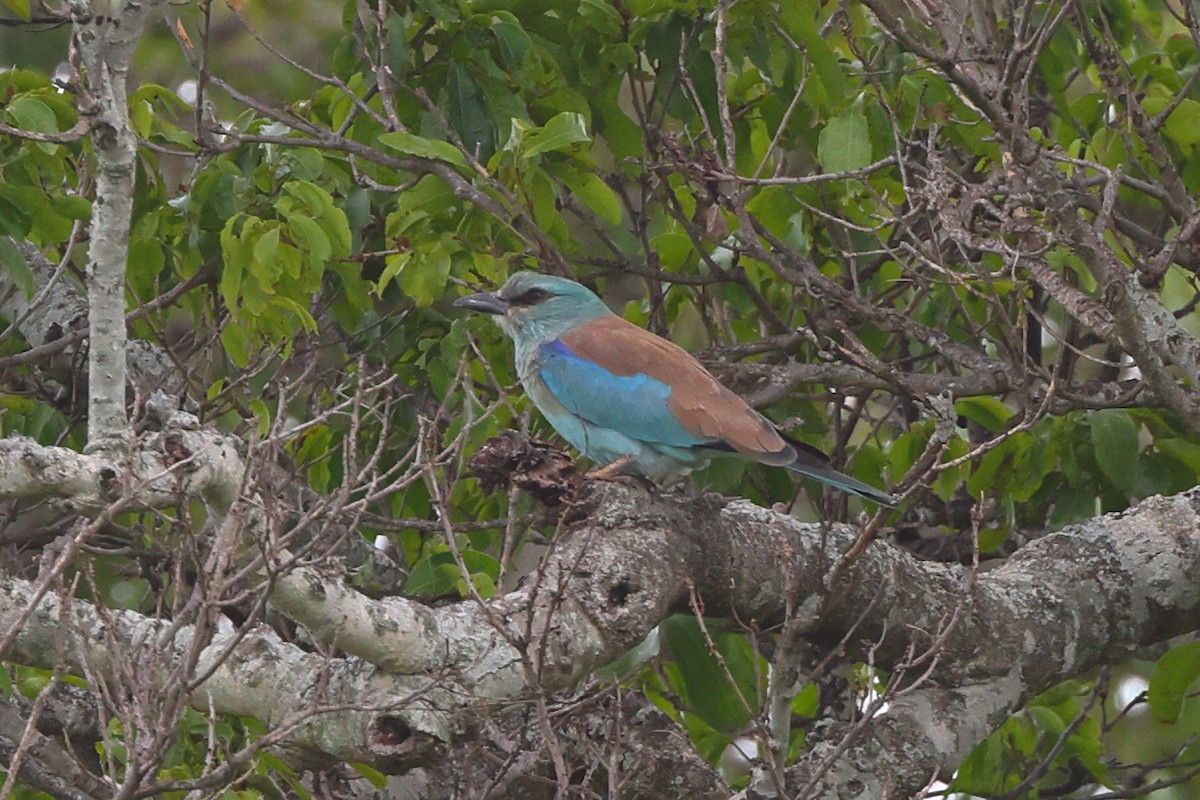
613	742
47	766
106	42
56	308
1060	606
178	462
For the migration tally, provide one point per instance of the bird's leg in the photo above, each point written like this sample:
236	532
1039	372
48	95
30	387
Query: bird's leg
610	471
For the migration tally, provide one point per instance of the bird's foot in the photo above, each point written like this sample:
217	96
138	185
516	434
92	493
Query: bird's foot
611	472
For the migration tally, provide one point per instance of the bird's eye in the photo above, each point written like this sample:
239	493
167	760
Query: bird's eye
530	298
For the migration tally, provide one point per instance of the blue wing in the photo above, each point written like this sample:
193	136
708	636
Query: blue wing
635	405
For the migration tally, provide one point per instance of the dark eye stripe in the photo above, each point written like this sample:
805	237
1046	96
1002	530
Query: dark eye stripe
530	298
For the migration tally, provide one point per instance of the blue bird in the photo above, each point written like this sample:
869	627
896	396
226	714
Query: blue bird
631	400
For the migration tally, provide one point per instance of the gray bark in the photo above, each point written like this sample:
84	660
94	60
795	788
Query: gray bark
106	38
1063	605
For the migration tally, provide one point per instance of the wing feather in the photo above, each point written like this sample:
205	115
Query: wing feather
647	384
636	405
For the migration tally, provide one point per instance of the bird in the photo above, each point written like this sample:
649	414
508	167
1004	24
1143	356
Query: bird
629	400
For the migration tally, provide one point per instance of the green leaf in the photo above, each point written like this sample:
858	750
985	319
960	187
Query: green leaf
545	206
398	49
314	241
236	343
306	163
262	414
443	11
991	538
674	249
706	686
513	40
312	451
357	288
373	776
950	479
561	132
845	142
15	218
602	16
12	262
799	18
595	193
424	277
1086	745
321	207
1170	680
72	206
808	702
828	69
987	477
623	135
265	265
467	113
1072	504
1039	462
141	118
1183	124
1115	440
306	319
760	141
145	261
484	585
413	145
32	115
631	659
438	573
1182	451
236	255
393	265
1161	474
18	7
159	96
907	448
1046	719
31	681
986	411
47	225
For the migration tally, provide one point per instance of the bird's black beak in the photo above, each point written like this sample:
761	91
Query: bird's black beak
486	302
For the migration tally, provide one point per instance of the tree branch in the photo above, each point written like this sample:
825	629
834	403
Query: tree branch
1060	606
106	43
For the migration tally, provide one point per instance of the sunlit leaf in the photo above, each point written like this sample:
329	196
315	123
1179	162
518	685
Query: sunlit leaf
18	7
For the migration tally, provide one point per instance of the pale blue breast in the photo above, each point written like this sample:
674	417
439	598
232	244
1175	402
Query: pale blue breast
607	417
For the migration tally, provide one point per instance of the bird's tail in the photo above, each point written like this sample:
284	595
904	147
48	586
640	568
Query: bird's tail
845	483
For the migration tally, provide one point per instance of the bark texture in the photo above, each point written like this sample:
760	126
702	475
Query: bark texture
1062	605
